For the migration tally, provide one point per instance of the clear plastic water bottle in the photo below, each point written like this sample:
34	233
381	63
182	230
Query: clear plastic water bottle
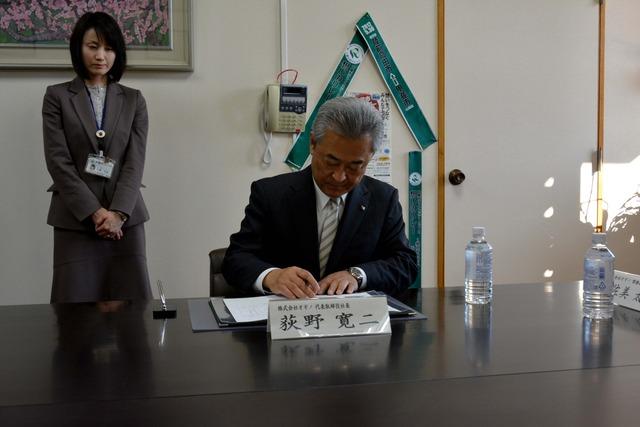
597	287
478	271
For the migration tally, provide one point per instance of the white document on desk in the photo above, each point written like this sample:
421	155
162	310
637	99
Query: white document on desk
255	309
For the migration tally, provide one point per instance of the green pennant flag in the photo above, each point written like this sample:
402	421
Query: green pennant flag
406	102
367	37
415	210
353	55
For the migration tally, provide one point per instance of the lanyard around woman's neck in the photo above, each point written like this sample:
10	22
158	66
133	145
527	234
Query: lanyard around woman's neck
100	133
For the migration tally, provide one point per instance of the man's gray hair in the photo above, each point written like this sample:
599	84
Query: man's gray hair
351	118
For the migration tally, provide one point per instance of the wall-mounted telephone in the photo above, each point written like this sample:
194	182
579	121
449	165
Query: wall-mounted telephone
286	107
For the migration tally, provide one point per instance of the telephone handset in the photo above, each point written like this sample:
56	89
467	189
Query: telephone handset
286	107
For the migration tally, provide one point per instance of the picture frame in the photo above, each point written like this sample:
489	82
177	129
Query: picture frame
175	55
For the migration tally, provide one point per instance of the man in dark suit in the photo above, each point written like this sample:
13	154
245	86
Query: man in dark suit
327	229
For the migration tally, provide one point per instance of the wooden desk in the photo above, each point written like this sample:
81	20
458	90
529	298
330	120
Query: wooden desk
528	360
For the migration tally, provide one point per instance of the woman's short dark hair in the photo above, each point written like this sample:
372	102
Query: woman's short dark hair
109	33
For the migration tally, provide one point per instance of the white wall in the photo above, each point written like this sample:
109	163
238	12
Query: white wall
204	142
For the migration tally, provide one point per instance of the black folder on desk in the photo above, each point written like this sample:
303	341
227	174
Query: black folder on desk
203	319
404	311
224	317
211	314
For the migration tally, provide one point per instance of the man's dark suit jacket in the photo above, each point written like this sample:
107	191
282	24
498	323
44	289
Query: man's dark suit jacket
69	129
280	230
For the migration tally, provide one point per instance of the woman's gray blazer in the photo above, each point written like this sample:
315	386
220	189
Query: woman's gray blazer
69	129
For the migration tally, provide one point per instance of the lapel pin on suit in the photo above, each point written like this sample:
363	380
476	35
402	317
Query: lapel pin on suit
362	208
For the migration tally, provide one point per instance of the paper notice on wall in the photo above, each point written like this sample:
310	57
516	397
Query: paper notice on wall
380	165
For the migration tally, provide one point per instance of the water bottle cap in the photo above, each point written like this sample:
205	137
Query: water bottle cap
477	232
599	238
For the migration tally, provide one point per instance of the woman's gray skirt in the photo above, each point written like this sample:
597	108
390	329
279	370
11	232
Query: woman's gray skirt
89	268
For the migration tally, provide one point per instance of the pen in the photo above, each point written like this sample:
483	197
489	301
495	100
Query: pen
162	298
166	311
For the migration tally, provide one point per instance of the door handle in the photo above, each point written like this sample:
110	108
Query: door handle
456	177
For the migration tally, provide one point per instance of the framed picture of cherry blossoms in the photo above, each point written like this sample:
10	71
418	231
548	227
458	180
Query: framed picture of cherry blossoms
34	34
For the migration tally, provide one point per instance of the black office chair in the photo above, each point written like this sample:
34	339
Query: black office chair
218	287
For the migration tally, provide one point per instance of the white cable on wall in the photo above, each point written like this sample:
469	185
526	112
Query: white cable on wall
284	60
284	48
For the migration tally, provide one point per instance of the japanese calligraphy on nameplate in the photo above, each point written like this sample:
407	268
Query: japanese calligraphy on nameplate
328	317
626	290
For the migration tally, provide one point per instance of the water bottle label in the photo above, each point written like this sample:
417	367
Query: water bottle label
479	266
597	278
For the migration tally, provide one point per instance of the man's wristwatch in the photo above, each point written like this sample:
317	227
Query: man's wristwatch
357	274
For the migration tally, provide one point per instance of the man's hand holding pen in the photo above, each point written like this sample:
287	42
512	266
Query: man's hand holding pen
291	282
295	282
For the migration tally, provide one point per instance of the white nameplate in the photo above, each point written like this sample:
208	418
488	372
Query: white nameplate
328	317
626	290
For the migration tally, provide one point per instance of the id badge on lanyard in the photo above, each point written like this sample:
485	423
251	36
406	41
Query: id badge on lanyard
99	165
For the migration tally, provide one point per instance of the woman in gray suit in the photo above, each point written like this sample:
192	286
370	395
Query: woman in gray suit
95	134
